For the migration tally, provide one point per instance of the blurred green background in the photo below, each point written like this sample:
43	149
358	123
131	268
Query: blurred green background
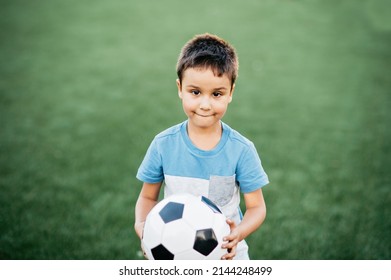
85	85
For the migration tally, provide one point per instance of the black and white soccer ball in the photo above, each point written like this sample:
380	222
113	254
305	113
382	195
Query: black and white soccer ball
185	227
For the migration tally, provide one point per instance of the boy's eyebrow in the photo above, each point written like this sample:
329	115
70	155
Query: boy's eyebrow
193	86
218	88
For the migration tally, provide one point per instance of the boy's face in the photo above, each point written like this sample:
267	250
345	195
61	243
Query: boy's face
205	97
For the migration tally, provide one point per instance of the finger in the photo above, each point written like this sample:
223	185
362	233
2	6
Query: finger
232	239
230	246
230	255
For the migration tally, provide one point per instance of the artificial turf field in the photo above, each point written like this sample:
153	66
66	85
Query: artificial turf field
84	87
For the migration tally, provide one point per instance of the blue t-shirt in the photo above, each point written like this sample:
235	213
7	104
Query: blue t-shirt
233	164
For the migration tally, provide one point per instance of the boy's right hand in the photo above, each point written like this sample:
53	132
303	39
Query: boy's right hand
232	241
139	228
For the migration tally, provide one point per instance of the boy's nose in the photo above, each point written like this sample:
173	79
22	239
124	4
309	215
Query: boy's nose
205	104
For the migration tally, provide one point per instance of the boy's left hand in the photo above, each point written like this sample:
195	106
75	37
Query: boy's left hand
232	241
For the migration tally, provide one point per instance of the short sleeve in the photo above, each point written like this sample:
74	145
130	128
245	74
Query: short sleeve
250	174
151	170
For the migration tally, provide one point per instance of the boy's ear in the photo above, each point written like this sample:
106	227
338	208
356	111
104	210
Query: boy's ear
231	93
178	84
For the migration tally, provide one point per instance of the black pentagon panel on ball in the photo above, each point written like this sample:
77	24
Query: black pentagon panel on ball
171	212
205	241
161	253
211	205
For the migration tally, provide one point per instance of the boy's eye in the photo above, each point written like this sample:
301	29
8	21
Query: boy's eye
195	92
217	94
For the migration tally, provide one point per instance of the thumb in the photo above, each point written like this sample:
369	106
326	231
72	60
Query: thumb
231	224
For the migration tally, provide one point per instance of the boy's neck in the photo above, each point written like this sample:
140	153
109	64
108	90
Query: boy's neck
204	138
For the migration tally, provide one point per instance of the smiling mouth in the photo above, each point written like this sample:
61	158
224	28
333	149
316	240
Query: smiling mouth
204	116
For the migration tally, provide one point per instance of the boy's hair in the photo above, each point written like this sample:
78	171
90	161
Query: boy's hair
209	51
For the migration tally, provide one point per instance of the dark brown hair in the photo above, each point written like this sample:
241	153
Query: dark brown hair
209	51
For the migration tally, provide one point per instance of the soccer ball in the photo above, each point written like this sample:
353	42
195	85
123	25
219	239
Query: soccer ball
185	227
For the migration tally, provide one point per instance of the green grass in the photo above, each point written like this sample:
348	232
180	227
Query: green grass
85	86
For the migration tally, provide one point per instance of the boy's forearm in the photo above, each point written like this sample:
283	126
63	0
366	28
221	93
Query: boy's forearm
252	220
143	207
145	202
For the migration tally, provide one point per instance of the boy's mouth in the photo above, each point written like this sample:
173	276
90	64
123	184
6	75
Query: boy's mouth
204	116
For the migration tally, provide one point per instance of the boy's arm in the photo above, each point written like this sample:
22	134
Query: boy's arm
253	218
255	213
146	201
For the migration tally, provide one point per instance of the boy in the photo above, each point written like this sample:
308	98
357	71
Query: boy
203	155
